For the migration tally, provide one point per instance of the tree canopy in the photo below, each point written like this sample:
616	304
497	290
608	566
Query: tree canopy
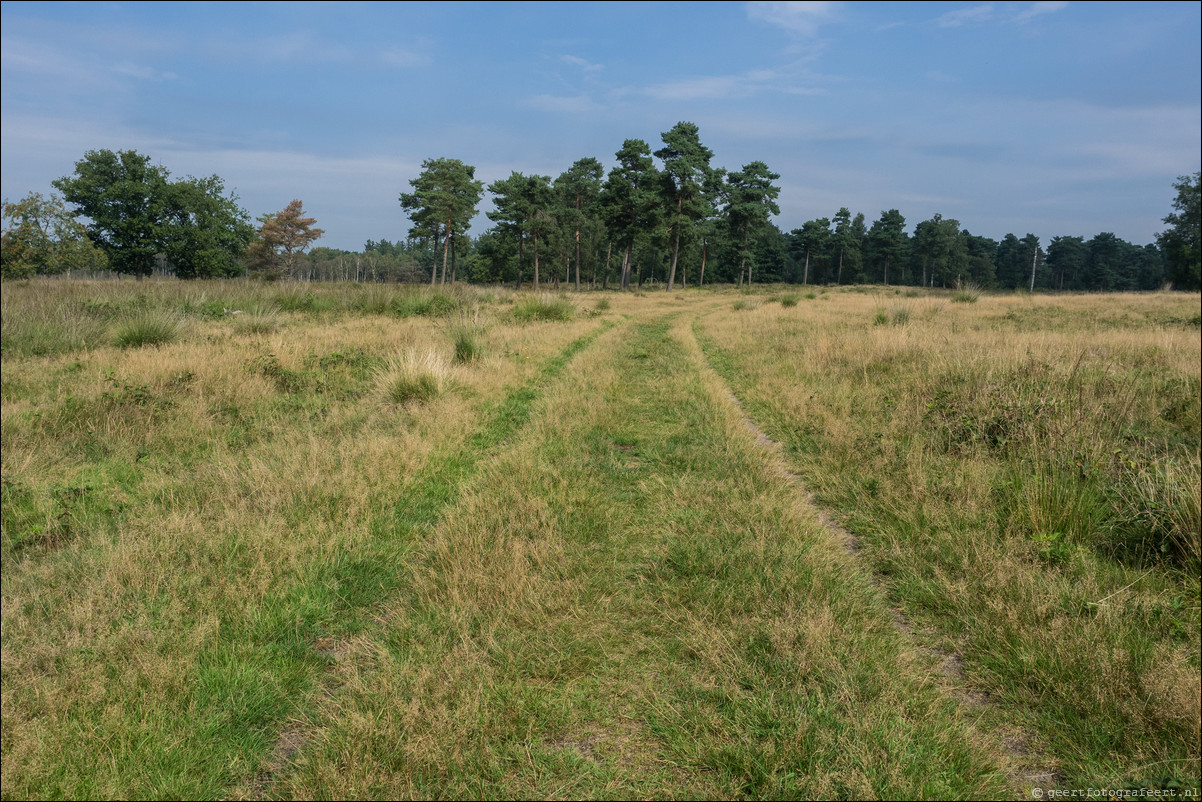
137	215
443	202
41	237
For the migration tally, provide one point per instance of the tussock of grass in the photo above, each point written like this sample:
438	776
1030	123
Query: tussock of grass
414	377
540	307
148	328
468	340
966	292
426	303
257	320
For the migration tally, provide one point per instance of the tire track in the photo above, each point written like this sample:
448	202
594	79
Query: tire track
1029	770
442	483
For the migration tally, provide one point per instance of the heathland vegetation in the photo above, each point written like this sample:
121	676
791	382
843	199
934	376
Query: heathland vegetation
360	540
847	512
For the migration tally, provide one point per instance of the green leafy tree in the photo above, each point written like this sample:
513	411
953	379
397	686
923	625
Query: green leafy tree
887	244
579	189
686	173
629	199
849	240
283	237
752	199
1034	256
443	202
137	214
524	207
123	195
809	245
938	250
1182	241
42	237
1011	263
1067	259
204	231
979	255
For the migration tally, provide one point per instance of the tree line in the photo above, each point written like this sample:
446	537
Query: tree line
668	216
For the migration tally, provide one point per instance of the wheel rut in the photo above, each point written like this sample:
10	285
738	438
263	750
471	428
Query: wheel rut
1028	769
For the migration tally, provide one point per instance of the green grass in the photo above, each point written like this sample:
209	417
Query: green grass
148	328
532	308
1028	500
244	567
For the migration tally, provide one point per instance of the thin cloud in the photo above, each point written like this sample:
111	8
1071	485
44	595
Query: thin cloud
1039	9
963	16
572	105
583	64
798	18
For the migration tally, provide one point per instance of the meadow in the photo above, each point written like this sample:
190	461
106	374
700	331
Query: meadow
342	540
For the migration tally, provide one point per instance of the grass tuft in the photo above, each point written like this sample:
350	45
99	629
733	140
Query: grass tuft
966	292
543	307
414	378
148	328
468	339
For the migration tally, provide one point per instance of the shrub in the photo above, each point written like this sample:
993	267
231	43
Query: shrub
788	300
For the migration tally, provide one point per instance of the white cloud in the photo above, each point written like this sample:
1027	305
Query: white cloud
584	64
1039	9
954	19
799	18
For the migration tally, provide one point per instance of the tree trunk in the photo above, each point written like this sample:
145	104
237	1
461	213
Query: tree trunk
1034	261
839	273
626	266
704	247
446	249
535	243
675	247
577	260
886	271
742	265
608	249
521	249
805	274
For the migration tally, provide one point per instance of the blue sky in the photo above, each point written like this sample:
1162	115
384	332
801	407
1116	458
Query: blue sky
1050	118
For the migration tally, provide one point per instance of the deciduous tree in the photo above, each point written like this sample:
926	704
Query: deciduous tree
1182	241
42	237
137	214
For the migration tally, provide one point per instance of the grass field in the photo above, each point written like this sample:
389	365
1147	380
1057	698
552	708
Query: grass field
368	541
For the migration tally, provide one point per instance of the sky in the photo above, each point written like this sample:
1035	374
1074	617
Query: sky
1051	118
